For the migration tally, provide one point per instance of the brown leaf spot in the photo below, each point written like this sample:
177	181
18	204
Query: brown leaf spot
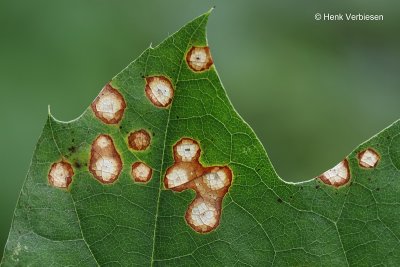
210	183
159	91
368	158
77	165
199	58
338	175
105	162
186	150
141	172
109	105
60	174
139	140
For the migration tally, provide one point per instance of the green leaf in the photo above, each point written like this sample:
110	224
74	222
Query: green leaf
161	170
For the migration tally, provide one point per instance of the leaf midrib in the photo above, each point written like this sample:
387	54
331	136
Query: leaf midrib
165	141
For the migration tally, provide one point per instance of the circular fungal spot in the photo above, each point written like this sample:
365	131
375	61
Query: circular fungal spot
139	140
109	105
60	174
159	91
394	151
338	175
187	150
141	172
105	162
199	58
368	158
202	216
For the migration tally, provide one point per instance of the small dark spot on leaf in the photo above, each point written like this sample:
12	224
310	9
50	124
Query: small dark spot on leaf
78	165
317	187
177	117
72	149
378	189
73	140
279	200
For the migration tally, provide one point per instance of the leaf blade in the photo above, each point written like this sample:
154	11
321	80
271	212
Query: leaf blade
265	221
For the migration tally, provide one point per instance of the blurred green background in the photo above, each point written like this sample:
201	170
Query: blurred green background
311	90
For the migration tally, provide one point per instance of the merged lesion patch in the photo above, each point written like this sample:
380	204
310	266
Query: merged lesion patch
105	162
210	183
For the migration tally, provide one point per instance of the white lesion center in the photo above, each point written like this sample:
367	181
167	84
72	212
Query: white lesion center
109	103
161	91
60	174
141	172
106	168
199	58
203	214
187	150
103	142
338	174
369	158
176	177
215	180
